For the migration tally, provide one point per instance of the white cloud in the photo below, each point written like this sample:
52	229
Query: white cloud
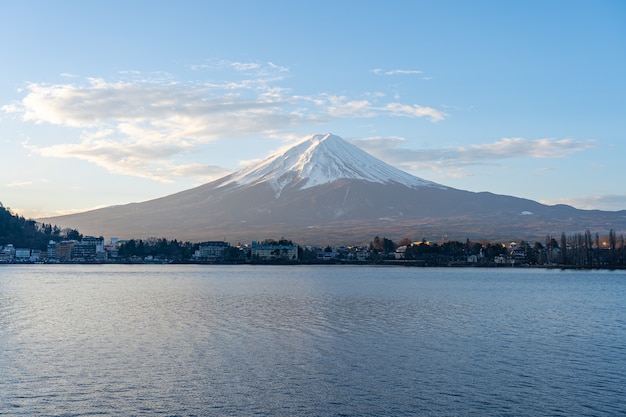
258	68
403	72
279	68
609	202
19	184
137	159
533	148
341	106
245	66
41	214
379	71
398	109
136	126
454	158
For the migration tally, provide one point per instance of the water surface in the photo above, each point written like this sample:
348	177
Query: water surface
191	340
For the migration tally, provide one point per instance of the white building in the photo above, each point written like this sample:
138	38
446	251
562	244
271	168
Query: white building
7	253
22	255
273	252
52	250
211	251
400	252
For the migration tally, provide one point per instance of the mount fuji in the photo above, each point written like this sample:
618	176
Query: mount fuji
323	159
324	190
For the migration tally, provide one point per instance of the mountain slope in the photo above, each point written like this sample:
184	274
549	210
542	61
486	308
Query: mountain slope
325	190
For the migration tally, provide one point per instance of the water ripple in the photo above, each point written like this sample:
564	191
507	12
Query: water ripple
290	341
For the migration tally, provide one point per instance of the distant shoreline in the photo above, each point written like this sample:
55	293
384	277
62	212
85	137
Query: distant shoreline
407	264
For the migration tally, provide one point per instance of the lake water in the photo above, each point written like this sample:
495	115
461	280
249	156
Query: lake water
146	340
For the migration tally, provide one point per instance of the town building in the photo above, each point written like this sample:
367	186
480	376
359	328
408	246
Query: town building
400	252
7	253
51	251
112	250
273	252
211	251
83	251
64	249
22	255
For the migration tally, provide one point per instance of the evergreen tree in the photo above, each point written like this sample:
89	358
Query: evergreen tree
25	233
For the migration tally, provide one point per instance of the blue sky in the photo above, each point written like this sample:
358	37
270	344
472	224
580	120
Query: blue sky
109	102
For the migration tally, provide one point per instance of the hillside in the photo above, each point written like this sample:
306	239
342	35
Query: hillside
27	233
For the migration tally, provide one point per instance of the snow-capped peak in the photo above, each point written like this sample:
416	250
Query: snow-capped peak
321	159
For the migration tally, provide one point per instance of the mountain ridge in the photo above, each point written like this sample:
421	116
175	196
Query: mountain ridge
325	190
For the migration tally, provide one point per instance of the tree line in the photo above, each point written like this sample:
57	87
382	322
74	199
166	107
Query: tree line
157	249
580	250
584	250
27	233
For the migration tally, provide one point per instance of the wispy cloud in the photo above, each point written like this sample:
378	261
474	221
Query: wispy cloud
398	109
379	71
455	158
135	159
258	68
343	107
42	215
612	202
136	125
19	184
26	183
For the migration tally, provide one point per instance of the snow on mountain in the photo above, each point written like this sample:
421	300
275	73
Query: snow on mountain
321	159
